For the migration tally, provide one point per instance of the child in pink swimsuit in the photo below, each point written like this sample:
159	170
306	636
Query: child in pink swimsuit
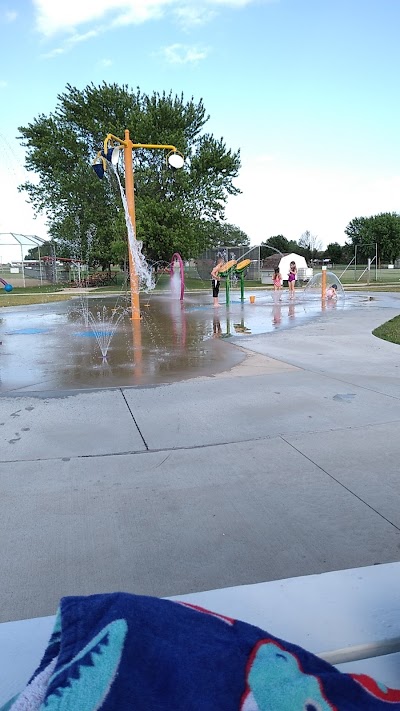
331	292
277	280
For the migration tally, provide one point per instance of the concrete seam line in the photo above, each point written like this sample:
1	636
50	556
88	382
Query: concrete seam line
134	419
182	448
341	484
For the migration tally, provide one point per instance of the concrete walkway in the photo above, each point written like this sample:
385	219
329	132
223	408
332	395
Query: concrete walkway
288	464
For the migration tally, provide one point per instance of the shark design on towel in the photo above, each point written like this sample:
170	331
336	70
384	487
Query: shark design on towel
276	681
85	681
117	652
377	689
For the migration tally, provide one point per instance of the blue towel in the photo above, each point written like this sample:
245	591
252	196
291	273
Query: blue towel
117	651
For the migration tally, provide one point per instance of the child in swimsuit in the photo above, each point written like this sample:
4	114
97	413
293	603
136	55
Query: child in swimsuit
292	279
331	293
277	279
216	279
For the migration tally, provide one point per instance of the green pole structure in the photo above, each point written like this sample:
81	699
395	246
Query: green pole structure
240	269
227	287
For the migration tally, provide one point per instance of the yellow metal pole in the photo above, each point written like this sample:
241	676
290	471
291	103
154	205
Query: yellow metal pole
130	199
323	283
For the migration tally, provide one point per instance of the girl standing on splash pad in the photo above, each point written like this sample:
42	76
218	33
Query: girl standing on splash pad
277	280
292	279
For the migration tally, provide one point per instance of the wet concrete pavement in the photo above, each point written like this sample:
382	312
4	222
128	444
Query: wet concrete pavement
283	463
90	342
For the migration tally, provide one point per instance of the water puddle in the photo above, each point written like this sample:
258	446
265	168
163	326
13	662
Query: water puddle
91	343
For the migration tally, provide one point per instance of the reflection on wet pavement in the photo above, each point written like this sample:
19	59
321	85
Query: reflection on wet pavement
58	346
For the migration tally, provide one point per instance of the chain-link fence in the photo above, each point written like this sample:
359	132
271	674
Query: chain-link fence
206	261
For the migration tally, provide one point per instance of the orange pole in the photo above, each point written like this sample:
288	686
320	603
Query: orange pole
323	283
130	199
137	349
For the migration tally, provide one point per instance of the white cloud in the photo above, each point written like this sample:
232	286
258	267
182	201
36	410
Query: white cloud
289	199
183	54
141	11
67	16
11	15
54	17
69	43
232	3
105	63
76	38
54	53
192	16
16	214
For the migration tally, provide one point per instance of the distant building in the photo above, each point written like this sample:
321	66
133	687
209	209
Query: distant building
304	272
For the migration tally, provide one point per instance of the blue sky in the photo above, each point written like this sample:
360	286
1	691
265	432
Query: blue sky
307	89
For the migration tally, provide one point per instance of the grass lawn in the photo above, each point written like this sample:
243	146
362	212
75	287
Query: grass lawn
27	299
44	289
389	331
53	292
360	276
374	287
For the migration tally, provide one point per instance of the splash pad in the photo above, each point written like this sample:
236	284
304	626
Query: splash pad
58	351
49	347
164	342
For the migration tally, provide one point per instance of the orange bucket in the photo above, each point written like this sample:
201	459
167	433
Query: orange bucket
252	299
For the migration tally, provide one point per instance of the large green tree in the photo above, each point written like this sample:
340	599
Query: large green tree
45	250
356	230
382	230
224	234
279	243
334	252
85	214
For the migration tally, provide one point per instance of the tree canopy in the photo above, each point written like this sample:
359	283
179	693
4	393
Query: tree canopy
334	252
382	230
174	209
278	243
224	234
308	246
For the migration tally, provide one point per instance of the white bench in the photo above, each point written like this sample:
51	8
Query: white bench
351	618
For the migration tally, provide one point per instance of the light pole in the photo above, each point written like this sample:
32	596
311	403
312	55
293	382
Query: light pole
112	146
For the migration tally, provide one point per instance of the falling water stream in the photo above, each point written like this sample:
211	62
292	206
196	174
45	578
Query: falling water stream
103	322
143	271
